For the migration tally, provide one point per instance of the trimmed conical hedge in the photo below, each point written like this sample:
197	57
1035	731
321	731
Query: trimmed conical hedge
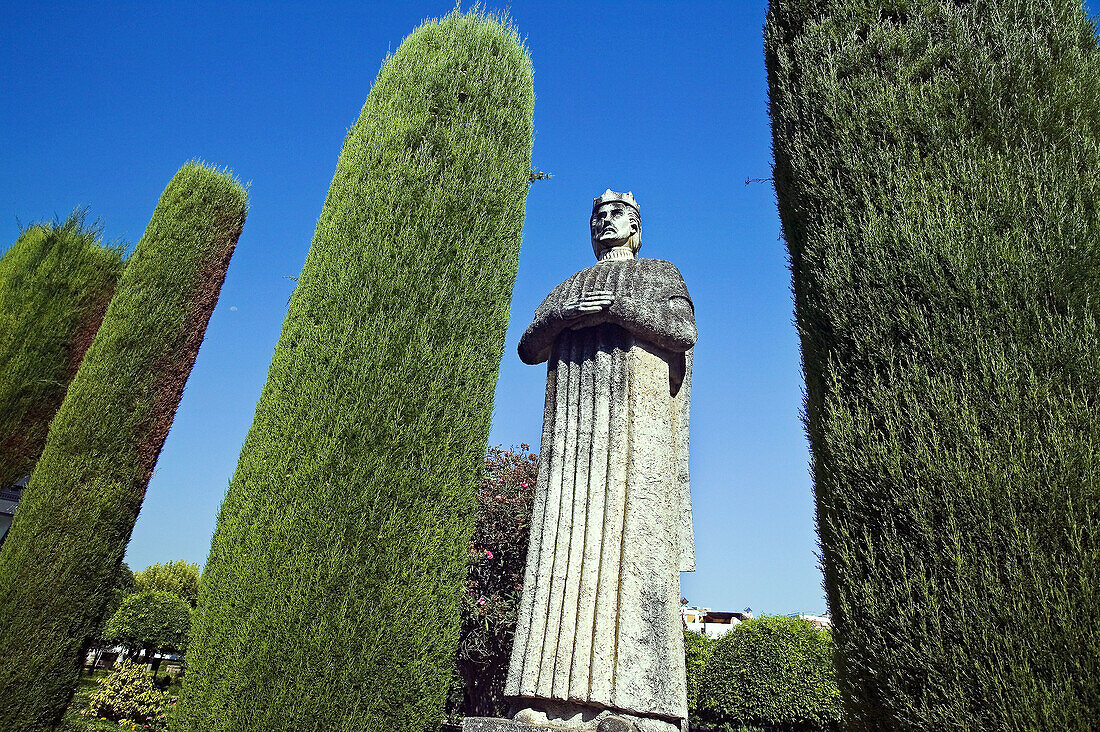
936	169
330	598
55	283
58	565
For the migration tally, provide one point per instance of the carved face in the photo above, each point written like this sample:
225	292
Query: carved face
611	225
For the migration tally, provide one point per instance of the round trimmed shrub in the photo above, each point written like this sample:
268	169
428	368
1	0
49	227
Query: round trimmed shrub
150	620
698	648
773	672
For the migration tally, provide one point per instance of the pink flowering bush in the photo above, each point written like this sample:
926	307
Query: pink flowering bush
494	582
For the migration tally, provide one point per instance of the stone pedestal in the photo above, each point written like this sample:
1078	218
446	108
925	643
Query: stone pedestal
495	724
606	721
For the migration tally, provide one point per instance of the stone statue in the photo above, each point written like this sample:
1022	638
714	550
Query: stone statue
599	641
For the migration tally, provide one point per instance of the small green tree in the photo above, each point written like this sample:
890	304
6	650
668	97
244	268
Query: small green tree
55	283
180	578
771	672
151	622
936	171
58	565
331	596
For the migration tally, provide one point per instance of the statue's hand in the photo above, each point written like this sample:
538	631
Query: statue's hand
590	302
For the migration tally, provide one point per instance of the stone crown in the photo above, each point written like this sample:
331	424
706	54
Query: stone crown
610	196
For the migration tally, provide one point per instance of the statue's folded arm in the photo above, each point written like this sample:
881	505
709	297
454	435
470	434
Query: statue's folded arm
668	323
648	298
537	340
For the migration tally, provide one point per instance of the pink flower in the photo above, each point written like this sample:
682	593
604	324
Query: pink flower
488	554
481	600
524	485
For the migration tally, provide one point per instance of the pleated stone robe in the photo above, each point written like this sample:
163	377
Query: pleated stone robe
599	622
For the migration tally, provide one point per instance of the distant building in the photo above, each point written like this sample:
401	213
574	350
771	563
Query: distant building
715	623
9	499
821	621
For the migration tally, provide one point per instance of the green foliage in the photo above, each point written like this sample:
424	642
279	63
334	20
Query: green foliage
698	648
55	283
494	581
123	587
126	696
330	600
773	672
936	171
180	578
125	584
154	620
58	565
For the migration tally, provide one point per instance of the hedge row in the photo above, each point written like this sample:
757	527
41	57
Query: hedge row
59	563
936	170
55	283
330	597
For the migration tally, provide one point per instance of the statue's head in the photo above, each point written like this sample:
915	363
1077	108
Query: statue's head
616	226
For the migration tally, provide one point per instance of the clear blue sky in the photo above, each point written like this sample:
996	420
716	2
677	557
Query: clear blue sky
103	103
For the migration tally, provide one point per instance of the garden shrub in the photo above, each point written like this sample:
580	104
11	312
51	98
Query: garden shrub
127	694
330	599
60	561
698	648
494	581
55	283
936	172
772	672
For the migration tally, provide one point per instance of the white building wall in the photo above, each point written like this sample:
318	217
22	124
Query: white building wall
695	621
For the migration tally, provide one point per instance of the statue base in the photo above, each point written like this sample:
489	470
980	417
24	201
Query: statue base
605	723
496	724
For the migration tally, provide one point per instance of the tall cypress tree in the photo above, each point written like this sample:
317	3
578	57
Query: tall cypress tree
58	566
330	598
936	169
55	283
